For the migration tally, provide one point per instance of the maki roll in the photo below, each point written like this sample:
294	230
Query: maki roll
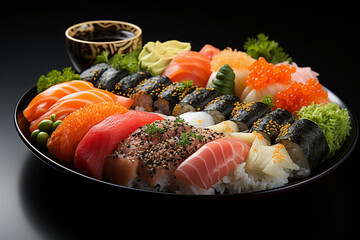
221	107
171	95
245	114
270	124
127	84
93	73
305	143
195	101
110	77
147	91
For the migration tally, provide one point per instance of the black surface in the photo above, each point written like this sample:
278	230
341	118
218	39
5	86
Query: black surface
38	202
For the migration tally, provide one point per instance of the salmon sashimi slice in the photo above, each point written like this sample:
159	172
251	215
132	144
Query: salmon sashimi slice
209	51
64	140
43	101
103	138
212	162
187	65
74	101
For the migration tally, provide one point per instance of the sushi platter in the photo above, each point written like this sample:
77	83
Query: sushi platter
167	119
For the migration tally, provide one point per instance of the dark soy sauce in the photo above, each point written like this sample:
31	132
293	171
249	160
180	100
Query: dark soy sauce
120	35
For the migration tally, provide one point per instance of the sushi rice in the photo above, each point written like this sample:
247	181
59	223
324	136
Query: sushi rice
238	181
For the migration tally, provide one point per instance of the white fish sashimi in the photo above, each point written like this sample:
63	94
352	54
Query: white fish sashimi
198	119
252	95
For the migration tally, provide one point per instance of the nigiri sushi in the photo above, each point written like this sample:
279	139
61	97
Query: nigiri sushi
70	103
43	101
103	138
64	140
189	65
266	79
212	162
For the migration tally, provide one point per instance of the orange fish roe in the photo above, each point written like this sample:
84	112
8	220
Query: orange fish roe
263	73
298	95
65	139
235	59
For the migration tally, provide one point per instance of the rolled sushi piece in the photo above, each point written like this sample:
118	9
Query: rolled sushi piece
305	143
94	73
270	124
147	91
126	85
245	114
221	107
172	95
195	101
110	77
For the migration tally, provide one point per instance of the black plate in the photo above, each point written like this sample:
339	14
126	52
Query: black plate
22	127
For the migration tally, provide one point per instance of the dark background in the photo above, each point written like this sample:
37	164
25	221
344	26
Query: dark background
38	202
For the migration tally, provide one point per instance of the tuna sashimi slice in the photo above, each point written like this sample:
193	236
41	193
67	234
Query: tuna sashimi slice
103	138
212	162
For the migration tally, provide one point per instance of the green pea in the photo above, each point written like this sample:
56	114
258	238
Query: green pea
55	125
45	125
52	117
42	138
34	134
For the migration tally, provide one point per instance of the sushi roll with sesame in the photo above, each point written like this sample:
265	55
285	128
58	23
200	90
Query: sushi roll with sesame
147	91
110	77
245	114
195	101
93	73
126	85
305	143
271	123
172	95
221	107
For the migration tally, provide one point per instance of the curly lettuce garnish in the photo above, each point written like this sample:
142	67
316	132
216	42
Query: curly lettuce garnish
128	61
269	49
55	77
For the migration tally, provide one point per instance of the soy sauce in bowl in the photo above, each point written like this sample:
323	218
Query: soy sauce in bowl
106	37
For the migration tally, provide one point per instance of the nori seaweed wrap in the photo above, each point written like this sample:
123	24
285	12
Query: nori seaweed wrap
221	107
245	114
94	73
172	95
270	124
195	101
110	77
125	86
147	91
305	143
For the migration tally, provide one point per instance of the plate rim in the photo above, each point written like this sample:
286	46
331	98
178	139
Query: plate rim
289	186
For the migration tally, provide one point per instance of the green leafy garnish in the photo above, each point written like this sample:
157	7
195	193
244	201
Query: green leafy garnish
333	121
128	61
263	47
179	120
185	140
152	128
55	77
268	100
184	85
102	58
